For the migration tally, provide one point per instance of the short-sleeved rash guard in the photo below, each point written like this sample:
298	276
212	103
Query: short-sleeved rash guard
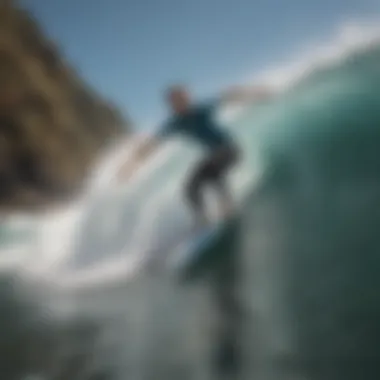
198	124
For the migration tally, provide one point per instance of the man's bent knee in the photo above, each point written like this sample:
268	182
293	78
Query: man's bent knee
193	194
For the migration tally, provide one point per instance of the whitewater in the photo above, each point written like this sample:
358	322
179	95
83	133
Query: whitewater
101	236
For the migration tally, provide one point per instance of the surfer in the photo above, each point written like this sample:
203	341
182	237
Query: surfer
196	122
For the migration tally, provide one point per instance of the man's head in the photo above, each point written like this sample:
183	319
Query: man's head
178	98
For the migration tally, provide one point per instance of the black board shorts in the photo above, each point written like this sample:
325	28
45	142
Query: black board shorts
215	165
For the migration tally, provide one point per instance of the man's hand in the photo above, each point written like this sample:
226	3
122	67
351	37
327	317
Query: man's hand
126	171
146	147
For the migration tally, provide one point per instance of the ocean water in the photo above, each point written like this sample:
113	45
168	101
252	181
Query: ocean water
309	194
311	240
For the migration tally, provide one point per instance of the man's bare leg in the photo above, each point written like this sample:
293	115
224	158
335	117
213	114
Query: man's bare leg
198	210
226	203
201	219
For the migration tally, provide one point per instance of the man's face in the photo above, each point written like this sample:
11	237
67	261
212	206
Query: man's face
179	100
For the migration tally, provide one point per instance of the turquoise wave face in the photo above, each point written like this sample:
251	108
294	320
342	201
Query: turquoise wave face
331	120
312	238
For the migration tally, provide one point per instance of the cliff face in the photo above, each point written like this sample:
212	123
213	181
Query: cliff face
52	125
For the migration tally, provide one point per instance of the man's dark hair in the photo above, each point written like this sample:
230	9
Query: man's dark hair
174	88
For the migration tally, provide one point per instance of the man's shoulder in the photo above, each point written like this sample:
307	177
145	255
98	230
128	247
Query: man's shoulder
208	105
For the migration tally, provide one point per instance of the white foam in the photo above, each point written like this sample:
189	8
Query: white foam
348	38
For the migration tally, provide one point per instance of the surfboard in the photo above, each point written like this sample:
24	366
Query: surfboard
198	250
188	250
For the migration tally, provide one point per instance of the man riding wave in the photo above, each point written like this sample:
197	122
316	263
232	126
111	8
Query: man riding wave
196	122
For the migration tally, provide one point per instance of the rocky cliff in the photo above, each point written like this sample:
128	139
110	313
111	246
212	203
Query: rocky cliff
52	125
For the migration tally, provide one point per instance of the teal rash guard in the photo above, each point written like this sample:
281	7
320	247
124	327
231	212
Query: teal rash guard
199	125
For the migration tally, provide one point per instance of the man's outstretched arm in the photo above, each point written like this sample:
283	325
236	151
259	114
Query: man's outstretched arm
145	148
246	94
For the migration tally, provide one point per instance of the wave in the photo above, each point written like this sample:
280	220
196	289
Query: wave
60	234
349	38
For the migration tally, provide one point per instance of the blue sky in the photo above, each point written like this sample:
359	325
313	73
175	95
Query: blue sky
130	50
